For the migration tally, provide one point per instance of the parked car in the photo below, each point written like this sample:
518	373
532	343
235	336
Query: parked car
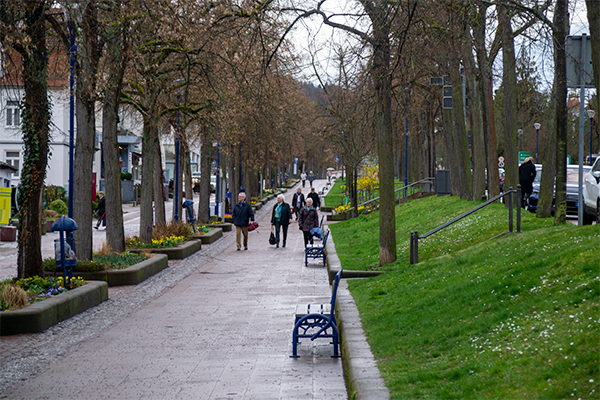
572	189
591	195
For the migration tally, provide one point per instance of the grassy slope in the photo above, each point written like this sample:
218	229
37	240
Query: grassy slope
513	317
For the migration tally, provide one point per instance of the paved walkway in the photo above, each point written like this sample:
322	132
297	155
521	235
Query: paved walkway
216	325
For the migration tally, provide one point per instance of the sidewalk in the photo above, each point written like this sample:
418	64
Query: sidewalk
216	325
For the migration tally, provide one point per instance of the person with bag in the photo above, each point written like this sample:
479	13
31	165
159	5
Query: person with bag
298	201
281	218
100	209
242	214
309	219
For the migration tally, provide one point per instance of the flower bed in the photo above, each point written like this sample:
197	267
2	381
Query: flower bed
16	294
174	253
209	237
42	315
225	226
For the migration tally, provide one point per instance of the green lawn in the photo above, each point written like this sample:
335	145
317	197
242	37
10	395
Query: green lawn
512	317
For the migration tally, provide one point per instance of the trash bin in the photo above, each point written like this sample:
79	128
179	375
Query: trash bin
64	246
442	183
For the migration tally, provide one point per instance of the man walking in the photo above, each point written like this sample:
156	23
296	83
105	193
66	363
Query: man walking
527	175
242	214
298	201
315	198
303	177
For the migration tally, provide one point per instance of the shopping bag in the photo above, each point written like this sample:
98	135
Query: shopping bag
272	238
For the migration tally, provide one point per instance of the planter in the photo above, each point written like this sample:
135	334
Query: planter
49	223
175	253
225	226
42	315
210	237
129	276
327	209
338	217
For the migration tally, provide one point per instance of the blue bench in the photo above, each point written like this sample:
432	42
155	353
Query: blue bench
317	321
316	251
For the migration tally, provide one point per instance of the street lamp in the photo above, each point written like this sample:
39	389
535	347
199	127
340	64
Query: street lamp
537	126
591	114
520	132
217	188
177	178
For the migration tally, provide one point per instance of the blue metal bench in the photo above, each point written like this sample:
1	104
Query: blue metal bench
316	251
317	321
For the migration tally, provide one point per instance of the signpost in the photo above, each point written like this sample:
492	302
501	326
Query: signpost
523	155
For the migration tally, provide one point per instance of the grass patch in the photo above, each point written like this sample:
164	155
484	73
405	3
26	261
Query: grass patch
336	194
513	317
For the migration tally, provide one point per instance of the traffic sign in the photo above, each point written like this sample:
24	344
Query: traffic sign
501	159
295	160
501	164
523	155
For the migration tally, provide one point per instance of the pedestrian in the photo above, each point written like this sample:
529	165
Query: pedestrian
242	214
303	177
527	175
328	176
309	219
311	178
281	218
101	210
315	198
298	202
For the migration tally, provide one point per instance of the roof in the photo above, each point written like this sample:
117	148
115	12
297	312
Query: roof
4	165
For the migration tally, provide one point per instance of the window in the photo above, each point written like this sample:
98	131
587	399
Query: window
14	158
13	115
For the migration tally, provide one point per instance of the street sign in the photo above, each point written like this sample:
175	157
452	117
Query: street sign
501	164
523	155
295	160
577	66
337	159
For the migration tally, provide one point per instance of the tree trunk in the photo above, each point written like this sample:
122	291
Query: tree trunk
116	55
87	70
384	132
148	144
487	104
561	30
450	161
548	157
205	161
36	125
509	105
159	190
461	144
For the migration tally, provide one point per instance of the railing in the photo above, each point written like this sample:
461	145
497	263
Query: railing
414	236
399	191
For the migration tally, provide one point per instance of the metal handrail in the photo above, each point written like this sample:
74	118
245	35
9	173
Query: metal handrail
425	180
414	236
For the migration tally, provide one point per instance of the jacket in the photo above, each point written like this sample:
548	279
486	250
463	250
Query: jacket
527	174
302	201
242	214
315	199
308	219
286	214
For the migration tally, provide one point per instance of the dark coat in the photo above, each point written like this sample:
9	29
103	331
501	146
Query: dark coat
242	214
302	201
100	208
527	175
286	214
308	219
315	198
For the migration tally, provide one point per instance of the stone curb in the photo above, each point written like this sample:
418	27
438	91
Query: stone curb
129	276
226	226
175	253
363	379
210	237
40	316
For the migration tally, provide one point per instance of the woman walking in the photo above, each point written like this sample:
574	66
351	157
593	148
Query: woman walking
308	219
281	218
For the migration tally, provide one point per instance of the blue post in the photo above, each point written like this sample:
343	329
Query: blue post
176	195
73	54
218	178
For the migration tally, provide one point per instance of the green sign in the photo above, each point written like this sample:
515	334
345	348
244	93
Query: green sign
523	155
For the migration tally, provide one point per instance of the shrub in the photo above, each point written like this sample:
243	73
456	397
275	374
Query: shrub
54	193
174	228
59	206
12	297
126	176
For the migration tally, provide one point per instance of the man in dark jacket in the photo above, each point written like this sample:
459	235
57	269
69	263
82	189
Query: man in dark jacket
298	201
309	218
281	218
315	198
242	214
527	175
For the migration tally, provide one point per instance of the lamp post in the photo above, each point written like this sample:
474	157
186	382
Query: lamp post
591	114
73	55
217	188
176	196
520	132
537	126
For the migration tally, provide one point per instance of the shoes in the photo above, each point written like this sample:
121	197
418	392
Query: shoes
96	227
277	246
245	247
283	245
238	249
